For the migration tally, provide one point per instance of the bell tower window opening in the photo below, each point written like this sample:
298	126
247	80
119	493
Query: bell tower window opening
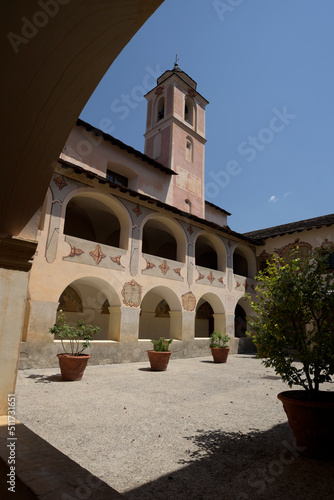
189	149
161	109
189	111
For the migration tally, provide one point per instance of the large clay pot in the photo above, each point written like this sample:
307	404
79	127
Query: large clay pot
159	360
311	422
72	367
220	354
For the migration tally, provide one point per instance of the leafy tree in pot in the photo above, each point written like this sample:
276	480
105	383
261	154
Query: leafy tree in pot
219	339
79	336
294	321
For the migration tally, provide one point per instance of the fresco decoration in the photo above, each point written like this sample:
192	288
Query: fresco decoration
159	90
137	210
131	293
188	301
162	310
200	276
164	267
117	260
327	245
178	271
302	245
211	277
149	265
190	229
221	280
69	301
60	182
97	254
74	251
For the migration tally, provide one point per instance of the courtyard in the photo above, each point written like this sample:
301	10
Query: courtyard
198	431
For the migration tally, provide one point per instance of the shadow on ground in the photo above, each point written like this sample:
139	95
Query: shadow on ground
46	379
235	466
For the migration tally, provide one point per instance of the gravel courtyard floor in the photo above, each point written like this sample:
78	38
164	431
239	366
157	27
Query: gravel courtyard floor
199	431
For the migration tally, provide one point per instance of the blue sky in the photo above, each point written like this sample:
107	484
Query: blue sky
266	67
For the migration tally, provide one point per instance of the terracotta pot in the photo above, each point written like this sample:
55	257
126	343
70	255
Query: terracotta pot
159	360
311	422
72	367
219	354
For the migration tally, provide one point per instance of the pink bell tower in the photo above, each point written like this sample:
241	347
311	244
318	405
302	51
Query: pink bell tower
175	136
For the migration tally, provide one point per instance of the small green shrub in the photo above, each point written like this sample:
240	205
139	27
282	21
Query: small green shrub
219	339
79	336
161	345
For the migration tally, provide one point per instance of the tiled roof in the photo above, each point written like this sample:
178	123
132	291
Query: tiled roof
302	225
217	208
102	180
127	148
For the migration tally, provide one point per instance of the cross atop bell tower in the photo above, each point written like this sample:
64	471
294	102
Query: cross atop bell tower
175	136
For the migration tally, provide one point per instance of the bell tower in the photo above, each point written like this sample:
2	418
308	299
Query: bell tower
175	136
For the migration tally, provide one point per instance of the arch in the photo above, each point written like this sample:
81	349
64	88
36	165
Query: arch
169	323
163	237
96	217
210	315
189	111
160	108
244	261
89	299
240	321
241	312
210	252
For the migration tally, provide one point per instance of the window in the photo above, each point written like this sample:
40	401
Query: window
116	178
161	109
189	111
189	149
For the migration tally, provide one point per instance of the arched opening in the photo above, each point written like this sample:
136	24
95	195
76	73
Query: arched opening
205	254
89	299
240	264
210	315
159	240
240	322
204	322
189	111
90	219
160	315
161	109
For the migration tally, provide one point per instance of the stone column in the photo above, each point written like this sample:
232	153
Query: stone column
15	263
175	325
219	323
129	330
230	325
114	327
43	316
188	325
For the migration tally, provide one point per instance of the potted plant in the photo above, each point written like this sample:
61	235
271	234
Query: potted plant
219	346
294	332
72	362
160	354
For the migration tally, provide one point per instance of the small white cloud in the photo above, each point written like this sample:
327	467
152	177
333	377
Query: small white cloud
273	199
286	194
